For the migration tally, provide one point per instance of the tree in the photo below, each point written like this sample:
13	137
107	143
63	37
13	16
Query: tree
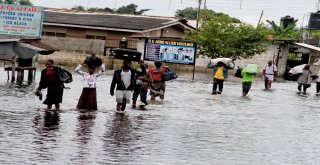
95	9
131	9
188	13
17	2
81	8
191	13
280	33
25	2
220	37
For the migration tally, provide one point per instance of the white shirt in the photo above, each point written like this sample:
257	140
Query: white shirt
126	78
90	80
318	79
269	70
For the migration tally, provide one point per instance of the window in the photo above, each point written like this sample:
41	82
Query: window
90	37
61	34
50	34
100	37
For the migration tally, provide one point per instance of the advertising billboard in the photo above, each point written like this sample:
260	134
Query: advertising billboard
21	20
171	51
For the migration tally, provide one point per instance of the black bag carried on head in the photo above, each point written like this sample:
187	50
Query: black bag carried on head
93	61
64	75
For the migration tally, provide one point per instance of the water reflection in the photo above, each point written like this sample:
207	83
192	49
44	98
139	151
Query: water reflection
46	124
86	122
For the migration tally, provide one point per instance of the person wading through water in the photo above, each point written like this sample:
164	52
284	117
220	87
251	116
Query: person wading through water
158	86
269	72
220	73
88	98
51	80
124	81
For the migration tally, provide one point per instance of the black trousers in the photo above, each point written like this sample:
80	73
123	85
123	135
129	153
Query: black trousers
217	82
246	87
305	86
318	87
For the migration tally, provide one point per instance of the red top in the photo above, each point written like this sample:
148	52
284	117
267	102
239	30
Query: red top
51	75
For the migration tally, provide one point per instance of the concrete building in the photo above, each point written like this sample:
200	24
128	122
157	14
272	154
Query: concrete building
77	33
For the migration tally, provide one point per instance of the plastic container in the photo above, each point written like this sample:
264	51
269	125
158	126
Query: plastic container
252	68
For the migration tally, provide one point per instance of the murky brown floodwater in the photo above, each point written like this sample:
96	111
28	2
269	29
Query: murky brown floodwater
190	127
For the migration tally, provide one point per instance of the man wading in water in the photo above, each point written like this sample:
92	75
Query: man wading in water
124	79
269	72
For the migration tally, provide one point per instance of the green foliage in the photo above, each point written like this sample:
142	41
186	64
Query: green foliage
131	9
281	33
220	37
17	2
315	34
25	2
81	8
191	13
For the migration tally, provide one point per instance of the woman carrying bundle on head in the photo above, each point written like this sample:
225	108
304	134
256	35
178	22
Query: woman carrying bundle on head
88	98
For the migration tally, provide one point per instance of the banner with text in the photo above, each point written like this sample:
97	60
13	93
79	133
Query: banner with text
172	51
21	20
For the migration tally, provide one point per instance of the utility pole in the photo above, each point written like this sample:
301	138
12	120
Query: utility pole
260	18
198	13
197	26
205	4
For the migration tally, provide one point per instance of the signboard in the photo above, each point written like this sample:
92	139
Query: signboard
171	51
21	20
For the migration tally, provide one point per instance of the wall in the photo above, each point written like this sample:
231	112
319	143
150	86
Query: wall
173	32
56	29
75	44
72	50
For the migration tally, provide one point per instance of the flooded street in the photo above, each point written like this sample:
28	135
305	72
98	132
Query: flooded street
190	127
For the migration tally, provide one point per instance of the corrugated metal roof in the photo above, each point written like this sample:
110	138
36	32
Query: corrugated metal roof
307	46
135	23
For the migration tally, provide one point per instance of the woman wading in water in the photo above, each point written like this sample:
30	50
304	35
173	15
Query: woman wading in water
50	80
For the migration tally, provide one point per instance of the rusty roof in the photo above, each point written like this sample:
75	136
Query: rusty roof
134	23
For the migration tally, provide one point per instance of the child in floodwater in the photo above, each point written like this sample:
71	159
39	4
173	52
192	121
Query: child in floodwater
88	98
142	84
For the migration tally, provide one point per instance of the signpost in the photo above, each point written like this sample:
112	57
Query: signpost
171	51
21	20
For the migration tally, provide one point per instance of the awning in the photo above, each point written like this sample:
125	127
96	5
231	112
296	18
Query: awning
307	46
24	48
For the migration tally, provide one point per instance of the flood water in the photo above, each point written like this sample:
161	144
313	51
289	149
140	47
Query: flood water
190	127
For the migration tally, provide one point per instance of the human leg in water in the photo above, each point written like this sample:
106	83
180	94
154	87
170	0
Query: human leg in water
57	106
214	88
299	87
123	105
143	96
220	83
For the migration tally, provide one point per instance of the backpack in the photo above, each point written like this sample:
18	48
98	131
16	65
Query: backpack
157	75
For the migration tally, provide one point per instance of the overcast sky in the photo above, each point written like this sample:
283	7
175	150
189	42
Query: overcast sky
246	10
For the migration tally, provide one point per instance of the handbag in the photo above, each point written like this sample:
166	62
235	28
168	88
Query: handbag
64	75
